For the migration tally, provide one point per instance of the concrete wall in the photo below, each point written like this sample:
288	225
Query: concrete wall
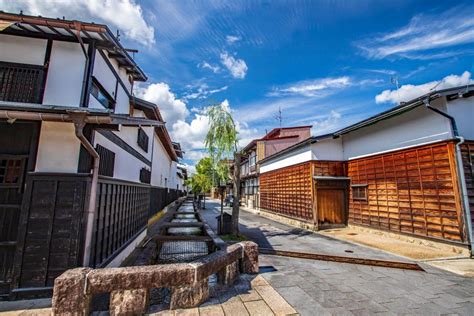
58	149
416	127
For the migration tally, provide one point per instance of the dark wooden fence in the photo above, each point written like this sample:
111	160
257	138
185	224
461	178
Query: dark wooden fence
50	229
122	214
160	197
53	220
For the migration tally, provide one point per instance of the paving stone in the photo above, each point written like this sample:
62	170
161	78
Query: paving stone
339	311
302	302
259	308
187	312
274	300
211	310
234	307
250	295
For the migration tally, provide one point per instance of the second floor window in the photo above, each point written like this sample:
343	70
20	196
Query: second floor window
21	83
102	95
142	139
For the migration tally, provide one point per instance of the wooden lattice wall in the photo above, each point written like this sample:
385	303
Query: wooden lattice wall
467	151
412	191
329	168
287	191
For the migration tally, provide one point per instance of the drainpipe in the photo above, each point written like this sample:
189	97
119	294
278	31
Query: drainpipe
460	169
79	123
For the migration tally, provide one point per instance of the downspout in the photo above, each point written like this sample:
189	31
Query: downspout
79	123
460	169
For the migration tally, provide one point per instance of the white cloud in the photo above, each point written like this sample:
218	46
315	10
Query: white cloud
232	39
214	68
203	92
382	71
237	67
409	91
126	15
171	108
329	123
423	33
311	88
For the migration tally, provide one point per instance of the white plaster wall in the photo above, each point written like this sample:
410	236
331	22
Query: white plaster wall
104	75
122	103
127	167
294	157
22	50
65	74
173	175
412	128
130	135
58	149
463	112
161	164
328	149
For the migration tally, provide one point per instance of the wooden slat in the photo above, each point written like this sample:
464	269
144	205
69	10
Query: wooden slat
411	191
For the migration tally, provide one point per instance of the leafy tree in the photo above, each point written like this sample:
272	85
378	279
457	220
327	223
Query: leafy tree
221	143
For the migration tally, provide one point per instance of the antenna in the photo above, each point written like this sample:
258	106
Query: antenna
279	117
394	80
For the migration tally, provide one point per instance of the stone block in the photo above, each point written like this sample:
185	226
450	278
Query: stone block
190	295
229	274
69	294
250	258
129	302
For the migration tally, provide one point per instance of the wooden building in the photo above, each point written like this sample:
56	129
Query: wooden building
273	142
407	170
83	163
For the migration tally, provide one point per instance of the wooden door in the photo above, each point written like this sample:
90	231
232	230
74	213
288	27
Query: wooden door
331	206
15	146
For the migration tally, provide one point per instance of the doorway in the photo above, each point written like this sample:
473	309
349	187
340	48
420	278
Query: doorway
331	202
18	143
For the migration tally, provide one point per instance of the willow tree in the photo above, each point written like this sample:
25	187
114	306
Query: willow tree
221	143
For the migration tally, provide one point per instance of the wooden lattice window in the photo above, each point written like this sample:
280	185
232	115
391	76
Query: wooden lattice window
107	161
359	192
142	139
21	83
11	171
145	175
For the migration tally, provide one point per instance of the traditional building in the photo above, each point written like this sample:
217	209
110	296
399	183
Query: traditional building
407	170
83	163
273	142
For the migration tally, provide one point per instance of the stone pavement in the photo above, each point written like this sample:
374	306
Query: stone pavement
330	288
251	295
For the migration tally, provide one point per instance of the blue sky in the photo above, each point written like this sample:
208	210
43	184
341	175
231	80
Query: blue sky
324	63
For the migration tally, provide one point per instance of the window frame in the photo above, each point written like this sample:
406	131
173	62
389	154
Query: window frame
98	89
143	139
357	188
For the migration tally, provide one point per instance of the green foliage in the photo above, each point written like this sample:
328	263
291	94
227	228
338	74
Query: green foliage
221	140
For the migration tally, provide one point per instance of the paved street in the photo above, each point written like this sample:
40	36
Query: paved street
329	288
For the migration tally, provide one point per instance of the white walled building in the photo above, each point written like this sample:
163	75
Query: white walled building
83	163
